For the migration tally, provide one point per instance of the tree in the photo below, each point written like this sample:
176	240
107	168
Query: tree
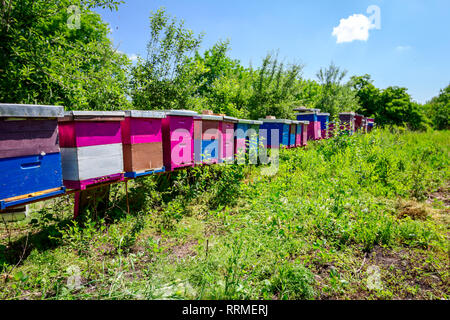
164	79
223	85
368	95
439	109
275	88
46	58
396	108
309	93
335	97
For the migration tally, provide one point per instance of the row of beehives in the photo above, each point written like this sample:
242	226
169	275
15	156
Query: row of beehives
44	150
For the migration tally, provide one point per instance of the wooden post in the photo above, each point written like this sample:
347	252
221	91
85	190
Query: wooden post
95	200
126	191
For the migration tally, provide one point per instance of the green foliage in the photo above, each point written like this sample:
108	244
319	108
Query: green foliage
275	88
46	61
293	281
163	80
390	106
368	95
438	109
229	232
334	97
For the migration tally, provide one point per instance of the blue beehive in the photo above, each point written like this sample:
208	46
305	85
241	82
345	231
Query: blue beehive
33	171
292	133
278	129
323	118
241	138
253	141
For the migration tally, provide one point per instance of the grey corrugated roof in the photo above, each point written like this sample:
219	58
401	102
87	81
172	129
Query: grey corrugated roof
144	114
210	117
76	114
185	113
286	121
231	119
247	121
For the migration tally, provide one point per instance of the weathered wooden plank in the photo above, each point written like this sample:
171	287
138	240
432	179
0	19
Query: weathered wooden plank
28	137
142	156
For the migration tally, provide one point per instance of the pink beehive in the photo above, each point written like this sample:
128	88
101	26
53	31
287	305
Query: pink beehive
314	127
141	127
91	147
227	139
298	132
305	126
178	138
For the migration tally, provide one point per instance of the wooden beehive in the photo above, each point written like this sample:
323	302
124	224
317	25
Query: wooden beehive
142	143
275	132
297	133
30	156
323	118
227	139
91	147
253	140
241	139
347	121
178	138
314	131
358	121
305	125
207	138
292	134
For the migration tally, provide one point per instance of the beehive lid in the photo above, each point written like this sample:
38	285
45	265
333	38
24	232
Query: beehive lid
286	121
210	117
230	119
347	113
184	113
30	111
323	114
296	122
246	121
307	110
304	122
305	113
144	114
93	116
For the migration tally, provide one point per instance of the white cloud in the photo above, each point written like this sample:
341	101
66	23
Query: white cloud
355	27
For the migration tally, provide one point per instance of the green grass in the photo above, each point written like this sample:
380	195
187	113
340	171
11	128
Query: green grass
361	217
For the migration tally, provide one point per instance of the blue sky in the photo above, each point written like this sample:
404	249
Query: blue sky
410	48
